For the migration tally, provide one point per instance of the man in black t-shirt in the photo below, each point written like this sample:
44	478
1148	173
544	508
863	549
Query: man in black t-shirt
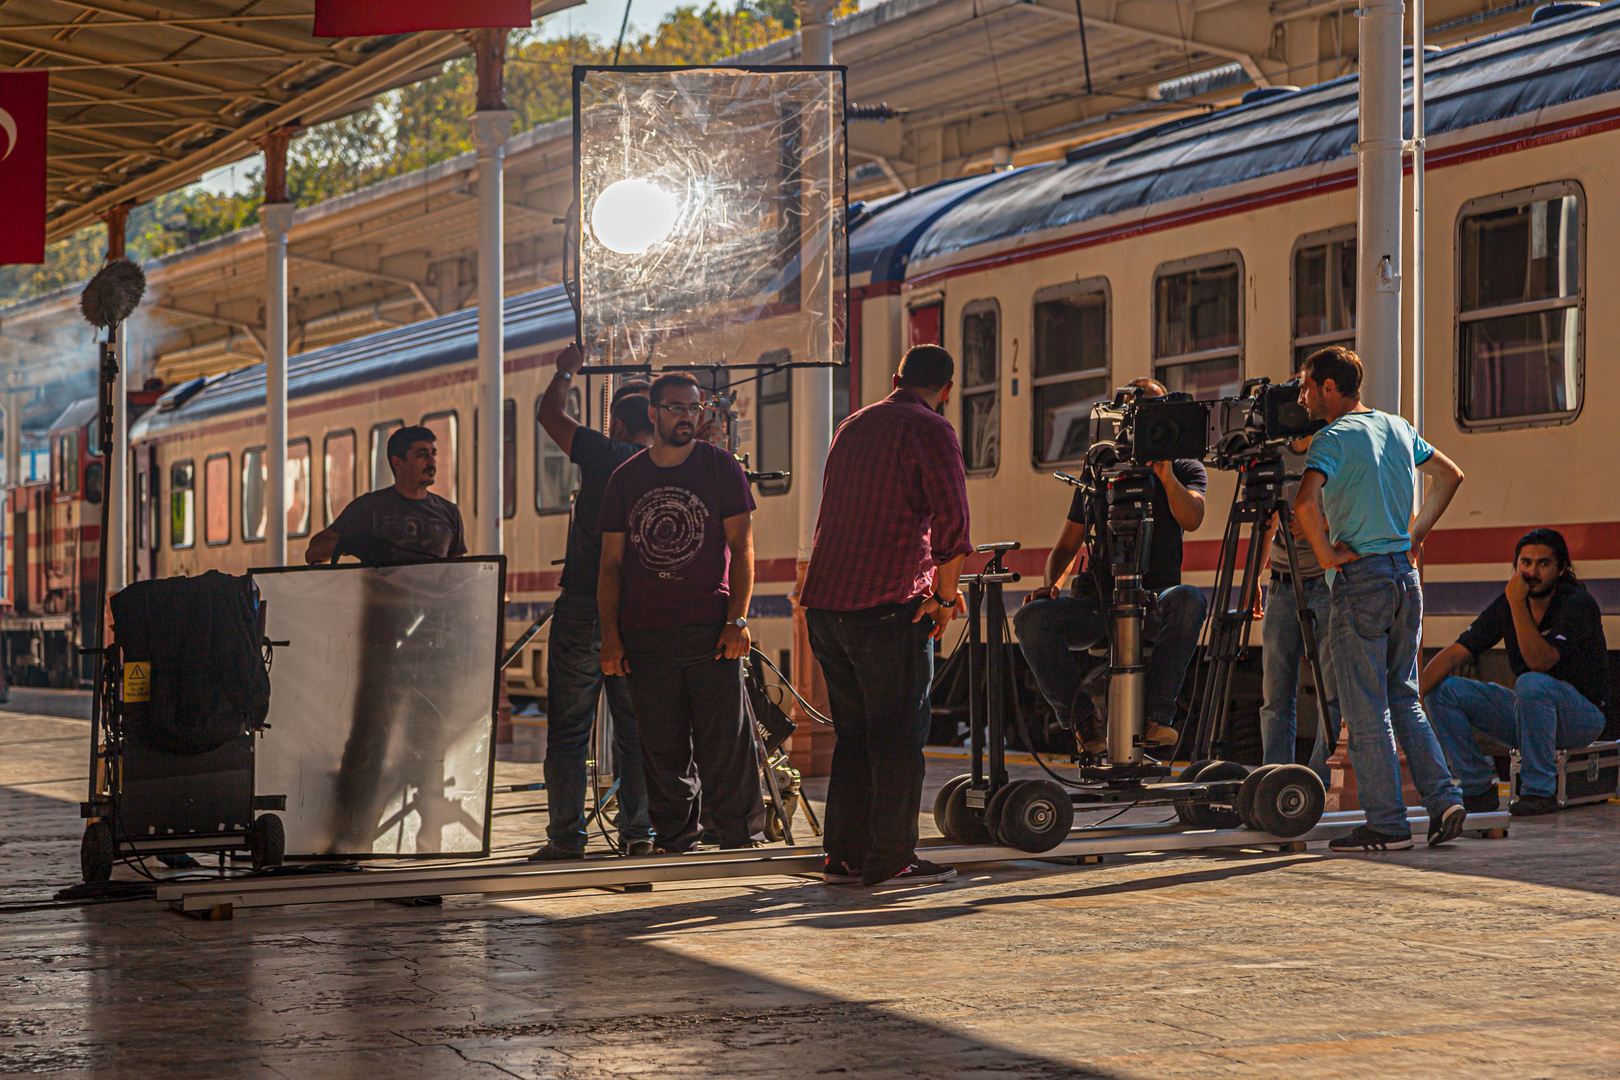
1553	631
1049	624
574	679
397	525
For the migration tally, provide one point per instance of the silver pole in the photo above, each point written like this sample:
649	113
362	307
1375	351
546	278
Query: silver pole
491	129
117	486
1419	197
1378	212
276	219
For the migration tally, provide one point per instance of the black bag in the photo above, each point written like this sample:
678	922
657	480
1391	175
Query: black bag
774	724
202	638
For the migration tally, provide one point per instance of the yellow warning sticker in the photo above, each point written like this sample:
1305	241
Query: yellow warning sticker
137	681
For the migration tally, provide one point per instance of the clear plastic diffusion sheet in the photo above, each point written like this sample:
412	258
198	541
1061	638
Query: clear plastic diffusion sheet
711	215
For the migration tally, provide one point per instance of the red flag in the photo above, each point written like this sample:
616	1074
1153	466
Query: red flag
369	18
22	166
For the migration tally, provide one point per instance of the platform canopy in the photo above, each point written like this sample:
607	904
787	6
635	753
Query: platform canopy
146	98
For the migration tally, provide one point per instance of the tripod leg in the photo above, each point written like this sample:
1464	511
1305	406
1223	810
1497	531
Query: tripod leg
1307	635
810	813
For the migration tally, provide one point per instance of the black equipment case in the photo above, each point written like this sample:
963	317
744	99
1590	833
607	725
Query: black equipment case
1588	774
184	689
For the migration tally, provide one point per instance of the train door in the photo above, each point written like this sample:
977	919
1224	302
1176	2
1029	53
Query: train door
925	325
19	554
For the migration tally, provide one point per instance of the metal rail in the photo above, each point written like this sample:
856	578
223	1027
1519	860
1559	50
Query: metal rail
514	878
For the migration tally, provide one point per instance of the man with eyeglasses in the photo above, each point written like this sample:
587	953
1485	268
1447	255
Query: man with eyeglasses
676	575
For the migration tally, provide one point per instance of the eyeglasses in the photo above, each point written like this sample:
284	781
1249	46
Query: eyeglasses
683	410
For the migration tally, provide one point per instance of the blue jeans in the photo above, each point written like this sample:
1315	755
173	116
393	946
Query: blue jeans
1047	628
574	680
879	666
1538	716
1282	649
1375	623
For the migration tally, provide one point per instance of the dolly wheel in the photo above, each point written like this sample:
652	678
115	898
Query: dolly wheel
960	823
1193	814
1245	797
1220	817
1036	816
267	841
944	798
97	852
992	811
1288	801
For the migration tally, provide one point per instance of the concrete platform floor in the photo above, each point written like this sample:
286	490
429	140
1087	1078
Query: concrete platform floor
1485	958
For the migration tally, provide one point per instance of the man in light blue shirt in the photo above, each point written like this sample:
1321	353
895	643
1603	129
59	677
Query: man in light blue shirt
1364	465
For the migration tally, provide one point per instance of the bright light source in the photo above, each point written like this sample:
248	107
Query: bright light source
631	216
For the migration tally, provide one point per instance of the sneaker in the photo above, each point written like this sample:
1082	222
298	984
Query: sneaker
1159	734
1089	730
1366	838
1486	802
637	848
1534	805
839	872
552	853
916	872
1449	827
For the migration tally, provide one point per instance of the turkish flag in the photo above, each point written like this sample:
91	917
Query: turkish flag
22	166
369	18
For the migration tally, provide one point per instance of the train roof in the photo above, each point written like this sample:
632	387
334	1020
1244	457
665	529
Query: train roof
531	318
882	237
1520	71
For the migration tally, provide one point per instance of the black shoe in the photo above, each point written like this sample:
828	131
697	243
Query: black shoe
1448	827
637	848
1366	838
1486	802
915	872
1534	805
1087	724
552	853
181	861
839	872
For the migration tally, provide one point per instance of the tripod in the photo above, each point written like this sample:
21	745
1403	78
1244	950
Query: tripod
1258	496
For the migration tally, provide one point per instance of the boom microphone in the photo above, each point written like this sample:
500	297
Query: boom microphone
113	294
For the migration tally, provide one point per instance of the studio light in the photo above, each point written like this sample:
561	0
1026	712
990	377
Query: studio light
632	215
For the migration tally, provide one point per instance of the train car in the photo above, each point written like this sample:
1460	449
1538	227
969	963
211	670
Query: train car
53	538
1204	252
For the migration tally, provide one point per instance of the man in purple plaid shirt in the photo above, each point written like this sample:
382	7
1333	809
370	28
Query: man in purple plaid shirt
880	589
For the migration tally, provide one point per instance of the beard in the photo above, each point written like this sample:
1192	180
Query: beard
682	435
1539	590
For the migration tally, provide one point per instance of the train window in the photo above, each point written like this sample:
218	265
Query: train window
253	485
1324	291
382	474
217	499
182	504
143	501
554	475
981	386
298	487
1069	370
66	464
773	439
338	473
1520	294
1198	325
508	458
443	426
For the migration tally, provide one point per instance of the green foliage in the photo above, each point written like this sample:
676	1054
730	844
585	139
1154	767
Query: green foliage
408	129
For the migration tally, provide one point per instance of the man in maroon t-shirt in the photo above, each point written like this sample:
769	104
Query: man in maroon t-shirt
676	576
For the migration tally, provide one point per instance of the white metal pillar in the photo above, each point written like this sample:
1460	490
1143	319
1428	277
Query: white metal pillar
491	129
1418	210
14	407
276	218
812	387
1378	210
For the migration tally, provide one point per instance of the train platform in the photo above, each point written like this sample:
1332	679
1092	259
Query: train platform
1489	957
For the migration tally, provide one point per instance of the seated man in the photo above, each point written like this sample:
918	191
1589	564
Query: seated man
1553	631
1048	624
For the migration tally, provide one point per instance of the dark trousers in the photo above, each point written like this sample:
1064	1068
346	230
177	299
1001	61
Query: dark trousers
697	752
574	682
879	666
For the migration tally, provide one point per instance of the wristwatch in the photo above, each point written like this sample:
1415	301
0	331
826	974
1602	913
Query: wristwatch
741	624
569	375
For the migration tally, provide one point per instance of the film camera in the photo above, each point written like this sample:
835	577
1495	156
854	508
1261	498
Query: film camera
1265	415
1135	430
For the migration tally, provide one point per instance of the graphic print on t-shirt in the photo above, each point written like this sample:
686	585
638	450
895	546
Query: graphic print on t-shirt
667	527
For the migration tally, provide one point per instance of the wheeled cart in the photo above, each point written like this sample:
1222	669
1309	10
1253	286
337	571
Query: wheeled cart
984	805
168	775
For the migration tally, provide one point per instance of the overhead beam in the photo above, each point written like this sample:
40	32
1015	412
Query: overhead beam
413	285
1250	68
202	316
146	13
